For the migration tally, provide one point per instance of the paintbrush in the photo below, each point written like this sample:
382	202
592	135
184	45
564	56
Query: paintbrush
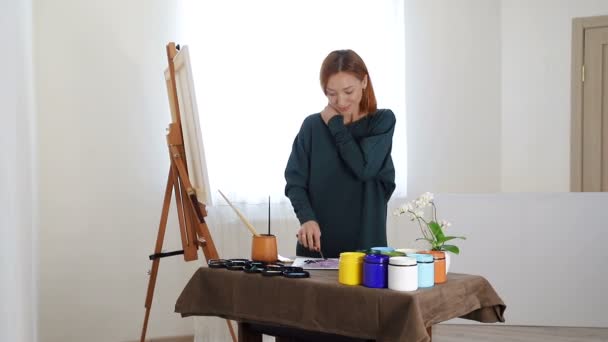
241	216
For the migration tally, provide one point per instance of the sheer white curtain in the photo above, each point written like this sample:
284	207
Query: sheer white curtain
256	73
18	208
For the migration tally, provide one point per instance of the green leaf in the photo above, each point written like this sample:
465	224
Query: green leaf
450	248
435	228
448	238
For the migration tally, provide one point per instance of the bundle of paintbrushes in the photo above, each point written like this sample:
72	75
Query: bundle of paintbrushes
263	246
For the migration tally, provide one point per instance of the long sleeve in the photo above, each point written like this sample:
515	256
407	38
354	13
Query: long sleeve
297	174
365	158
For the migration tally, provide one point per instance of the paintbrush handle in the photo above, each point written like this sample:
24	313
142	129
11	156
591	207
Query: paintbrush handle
241	216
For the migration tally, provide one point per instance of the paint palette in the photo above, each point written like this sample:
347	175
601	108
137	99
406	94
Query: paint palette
316	263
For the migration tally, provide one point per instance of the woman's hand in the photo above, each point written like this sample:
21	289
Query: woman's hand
328	113
309	235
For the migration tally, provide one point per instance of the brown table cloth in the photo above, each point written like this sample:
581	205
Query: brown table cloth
320	303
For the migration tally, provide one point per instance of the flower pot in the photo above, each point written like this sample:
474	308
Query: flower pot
448	259
440	269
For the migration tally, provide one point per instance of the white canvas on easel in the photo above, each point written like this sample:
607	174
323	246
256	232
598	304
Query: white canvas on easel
191	128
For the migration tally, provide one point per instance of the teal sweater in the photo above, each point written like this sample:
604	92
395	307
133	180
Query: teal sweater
342	176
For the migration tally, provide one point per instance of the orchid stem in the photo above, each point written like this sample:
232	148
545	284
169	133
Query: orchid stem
418	218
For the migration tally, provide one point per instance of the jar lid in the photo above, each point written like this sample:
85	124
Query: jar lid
393	254
402	261
376	258
351	256
422	257
382	249
407	251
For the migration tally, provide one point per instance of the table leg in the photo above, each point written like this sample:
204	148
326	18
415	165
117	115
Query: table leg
248	335
284	339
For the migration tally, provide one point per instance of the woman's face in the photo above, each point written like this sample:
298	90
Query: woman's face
344	92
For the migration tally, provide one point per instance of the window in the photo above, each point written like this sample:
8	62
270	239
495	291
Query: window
256	73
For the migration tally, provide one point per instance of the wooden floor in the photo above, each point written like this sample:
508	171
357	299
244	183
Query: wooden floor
495	333
486	333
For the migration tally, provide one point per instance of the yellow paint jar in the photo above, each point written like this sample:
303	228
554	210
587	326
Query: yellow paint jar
350	268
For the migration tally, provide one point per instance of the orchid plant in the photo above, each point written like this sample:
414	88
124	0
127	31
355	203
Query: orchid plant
433	230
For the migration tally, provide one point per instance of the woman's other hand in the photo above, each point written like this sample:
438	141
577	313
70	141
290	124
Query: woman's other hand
309	235
328	113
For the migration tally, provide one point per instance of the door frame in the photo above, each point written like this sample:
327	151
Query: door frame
579	25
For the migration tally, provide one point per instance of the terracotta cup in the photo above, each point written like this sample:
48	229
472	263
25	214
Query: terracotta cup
264	248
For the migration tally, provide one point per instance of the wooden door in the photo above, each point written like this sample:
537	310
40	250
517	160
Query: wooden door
590	114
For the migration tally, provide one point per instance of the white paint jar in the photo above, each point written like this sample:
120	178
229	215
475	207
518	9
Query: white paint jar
402	274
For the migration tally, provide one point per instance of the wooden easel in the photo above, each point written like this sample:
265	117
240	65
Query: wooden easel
190	212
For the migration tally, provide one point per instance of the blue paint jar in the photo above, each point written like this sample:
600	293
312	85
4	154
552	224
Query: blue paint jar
382	249
375	270
426	269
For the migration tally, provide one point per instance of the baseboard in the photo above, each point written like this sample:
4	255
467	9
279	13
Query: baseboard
168	339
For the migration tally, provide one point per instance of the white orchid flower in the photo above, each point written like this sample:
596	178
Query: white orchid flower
427	197
415	210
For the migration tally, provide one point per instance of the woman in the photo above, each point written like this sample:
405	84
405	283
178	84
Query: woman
340	174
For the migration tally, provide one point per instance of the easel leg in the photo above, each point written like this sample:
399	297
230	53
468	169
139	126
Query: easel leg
208	247
232	334
157	249
183	216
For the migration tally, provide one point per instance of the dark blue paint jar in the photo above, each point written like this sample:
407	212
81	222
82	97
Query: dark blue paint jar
375	271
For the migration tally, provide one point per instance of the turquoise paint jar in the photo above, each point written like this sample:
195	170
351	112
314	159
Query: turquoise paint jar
382	249
426	269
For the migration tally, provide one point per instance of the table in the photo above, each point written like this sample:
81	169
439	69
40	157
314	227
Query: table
321	304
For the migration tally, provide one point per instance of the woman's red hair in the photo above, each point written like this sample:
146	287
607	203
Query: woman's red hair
349	61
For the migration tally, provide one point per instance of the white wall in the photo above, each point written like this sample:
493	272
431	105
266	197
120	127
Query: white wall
488	94
453	95
18	233
102	111
536	57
